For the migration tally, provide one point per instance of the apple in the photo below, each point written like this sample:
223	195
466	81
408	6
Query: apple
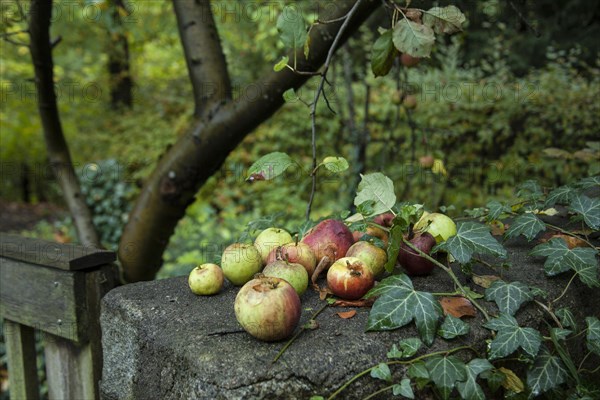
397	97
371	231
206	279
269	239
298	253
374	257
268	308
330	238
410	102
384	219
440	226
409	61
240	262
413	262
350	278
293	273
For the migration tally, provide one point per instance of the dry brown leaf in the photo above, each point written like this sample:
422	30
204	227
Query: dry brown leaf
457	306
571	241
354	303
498	228
485	281
347	314
512	381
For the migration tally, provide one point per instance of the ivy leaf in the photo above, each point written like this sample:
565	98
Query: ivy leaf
418	370
453	327
593	334
389	284
496	209
559	258
528	225
508	296
403	389
588	183
335	164
588	208
382	371
547	373
561	334
470	238
560	195
470	389
399	304
446	20
566	317
412	38
382	54
510	336
393	249
406	348
269	166
292	28
446	372
378	188
530	190
495	378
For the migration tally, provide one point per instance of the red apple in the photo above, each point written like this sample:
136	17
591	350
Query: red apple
350	278
409	61
206	279
330	238
413	262
268	308
374	257
293	273
384	219
371	231
298	253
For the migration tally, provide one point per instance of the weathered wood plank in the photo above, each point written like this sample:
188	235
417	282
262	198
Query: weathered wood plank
47	299
69	257
22	372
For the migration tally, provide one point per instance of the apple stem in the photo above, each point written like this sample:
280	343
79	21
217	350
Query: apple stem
449	271
302	329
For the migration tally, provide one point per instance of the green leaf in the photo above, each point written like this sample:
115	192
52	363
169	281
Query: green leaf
561	334
400	304
414	39
408	214
376	187
281	64
547	373
470	389
382	54
394	244
403	389
560	195
307	46
446	371
510	336
588	208
444	20
589	183
269	166
382	371
453	327
290	95
559	258
335	164
366	209
566	317
530	190
528	225
495	378
292	28
593	334
471	238
406	348
508	296
496	209
418	370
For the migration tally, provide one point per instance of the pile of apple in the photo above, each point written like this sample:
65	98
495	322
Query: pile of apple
275	270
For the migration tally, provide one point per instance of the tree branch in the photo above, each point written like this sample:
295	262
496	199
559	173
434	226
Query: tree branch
203	54
200	153
58	152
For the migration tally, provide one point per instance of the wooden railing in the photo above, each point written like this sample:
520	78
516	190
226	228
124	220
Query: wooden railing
56	289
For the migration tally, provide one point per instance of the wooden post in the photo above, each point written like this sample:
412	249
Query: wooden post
20	348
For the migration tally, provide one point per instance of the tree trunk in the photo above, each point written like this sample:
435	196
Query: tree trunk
58	152
120	81
200	152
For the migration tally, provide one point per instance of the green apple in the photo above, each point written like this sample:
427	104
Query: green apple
293	273
206	279
440	226
270	239
374	257
240	262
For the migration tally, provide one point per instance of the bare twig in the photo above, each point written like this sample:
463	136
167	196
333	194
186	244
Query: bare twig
313	110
